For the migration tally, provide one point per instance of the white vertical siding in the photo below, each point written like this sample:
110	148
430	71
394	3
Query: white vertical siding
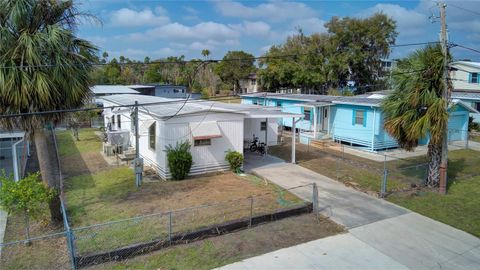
252	126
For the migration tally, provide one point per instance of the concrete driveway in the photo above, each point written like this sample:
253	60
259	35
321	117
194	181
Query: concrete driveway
380	235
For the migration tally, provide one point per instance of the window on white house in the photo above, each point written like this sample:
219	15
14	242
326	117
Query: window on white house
253	82
359	117
151	136
113	120
119	121
307	113
474	78
263	126
202	142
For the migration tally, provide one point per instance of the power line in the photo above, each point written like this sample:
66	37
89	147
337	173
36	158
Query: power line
465	47
197	60
464	9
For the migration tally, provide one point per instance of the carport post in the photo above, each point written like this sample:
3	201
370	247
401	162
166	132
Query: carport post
266	136
293	139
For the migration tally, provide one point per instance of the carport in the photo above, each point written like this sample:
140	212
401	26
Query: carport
259	122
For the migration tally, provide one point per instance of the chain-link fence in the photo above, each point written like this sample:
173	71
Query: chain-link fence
45	252
120	239
377	173
125	238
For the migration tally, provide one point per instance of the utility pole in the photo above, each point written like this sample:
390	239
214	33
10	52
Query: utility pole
446	97
138	163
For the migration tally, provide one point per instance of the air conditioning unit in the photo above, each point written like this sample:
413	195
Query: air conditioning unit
119	138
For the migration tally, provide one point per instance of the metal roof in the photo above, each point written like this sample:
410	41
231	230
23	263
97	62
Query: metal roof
312	99
466	95
112	89
466	63
184	107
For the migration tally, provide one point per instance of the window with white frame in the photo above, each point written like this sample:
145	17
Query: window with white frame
359	117
152	138
253	82
202	142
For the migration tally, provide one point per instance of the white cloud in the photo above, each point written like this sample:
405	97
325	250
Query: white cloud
410	23
132	18
310	25
177	31
273	11
258	28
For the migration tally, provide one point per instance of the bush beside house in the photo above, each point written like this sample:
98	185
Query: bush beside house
179	160
235	159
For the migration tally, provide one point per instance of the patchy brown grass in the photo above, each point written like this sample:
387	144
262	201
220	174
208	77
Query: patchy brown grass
229	248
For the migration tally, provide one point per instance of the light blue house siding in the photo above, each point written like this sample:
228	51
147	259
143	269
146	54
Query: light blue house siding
287	106
368	134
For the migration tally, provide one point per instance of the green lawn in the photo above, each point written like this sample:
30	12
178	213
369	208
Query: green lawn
460	208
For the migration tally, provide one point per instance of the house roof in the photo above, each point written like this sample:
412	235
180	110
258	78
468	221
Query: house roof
112	89
168	107
311	99
467	63
466	95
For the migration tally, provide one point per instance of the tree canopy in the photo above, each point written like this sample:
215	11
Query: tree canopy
351	50
235	65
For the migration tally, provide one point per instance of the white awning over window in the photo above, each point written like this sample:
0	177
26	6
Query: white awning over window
205	130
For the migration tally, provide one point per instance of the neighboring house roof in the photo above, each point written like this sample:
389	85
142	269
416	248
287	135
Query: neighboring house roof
140	86
466	95
351	100
112	89
463	104
168	107
466	63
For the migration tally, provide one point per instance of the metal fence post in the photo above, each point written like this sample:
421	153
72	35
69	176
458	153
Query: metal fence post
315	198
170	227
71	247
251	212
383	190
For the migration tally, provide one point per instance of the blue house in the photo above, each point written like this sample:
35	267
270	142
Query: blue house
356	120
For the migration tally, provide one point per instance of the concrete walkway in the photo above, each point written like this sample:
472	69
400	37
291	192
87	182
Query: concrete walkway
380	235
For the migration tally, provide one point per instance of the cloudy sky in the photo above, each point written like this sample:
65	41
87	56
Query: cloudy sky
158	29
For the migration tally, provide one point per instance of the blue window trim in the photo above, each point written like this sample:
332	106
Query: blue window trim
470	79
364	117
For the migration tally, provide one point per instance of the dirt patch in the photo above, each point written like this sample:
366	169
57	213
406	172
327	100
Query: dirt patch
78	164
229	248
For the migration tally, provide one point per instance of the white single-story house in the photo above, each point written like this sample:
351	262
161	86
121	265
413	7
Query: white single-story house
212	128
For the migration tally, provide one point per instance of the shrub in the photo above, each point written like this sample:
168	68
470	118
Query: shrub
472	126
179	160
26	197
235	159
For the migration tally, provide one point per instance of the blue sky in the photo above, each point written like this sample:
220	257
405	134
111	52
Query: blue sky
158	29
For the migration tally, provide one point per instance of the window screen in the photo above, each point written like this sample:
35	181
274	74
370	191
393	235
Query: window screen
359	117
151	136
202	142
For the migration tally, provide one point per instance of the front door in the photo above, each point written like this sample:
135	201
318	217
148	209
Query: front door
325	112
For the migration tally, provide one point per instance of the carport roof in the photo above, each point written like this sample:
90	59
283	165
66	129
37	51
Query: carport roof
271	114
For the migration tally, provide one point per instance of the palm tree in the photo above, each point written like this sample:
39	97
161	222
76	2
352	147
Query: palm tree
205	53
43	67
416	108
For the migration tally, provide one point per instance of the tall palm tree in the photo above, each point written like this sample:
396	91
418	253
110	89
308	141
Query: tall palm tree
43	67
205	53
416	108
